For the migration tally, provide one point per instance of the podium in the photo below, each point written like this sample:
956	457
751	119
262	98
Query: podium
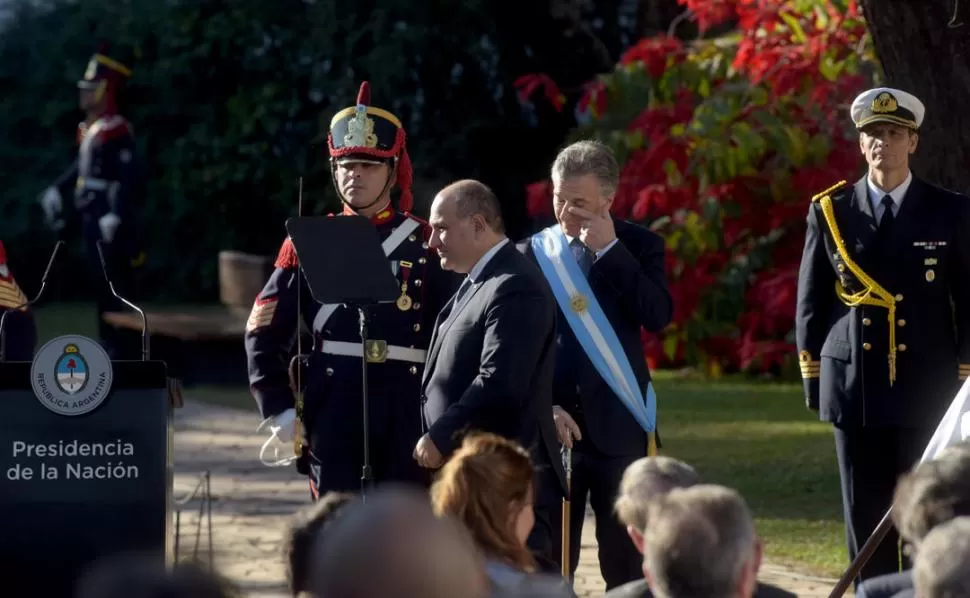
85	463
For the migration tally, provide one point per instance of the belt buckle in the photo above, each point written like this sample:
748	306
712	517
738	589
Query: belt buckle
376	351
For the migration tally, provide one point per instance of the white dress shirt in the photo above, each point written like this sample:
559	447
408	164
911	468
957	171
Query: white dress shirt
876	194
476	270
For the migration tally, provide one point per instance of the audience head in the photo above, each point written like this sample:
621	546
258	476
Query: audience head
300	538
392	545
466	221
643	482
932	493
585	176
488	485
942	565
135	575
701	543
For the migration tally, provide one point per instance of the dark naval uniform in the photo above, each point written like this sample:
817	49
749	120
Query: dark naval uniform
102	184
883	328
19	329
398	333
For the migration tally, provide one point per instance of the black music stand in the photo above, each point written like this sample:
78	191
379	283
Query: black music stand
361	281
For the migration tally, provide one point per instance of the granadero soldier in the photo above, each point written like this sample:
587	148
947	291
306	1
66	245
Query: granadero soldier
368	157
883	318
101	186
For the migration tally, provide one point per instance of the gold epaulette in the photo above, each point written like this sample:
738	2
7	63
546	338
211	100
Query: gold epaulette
963	371
810	368
872	292
829	191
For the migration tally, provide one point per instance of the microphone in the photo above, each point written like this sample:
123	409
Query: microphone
43	285
144	318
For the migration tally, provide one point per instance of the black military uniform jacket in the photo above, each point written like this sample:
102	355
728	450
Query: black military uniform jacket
271	330
925	266
104	178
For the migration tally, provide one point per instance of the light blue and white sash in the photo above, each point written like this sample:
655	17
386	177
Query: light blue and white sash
589	324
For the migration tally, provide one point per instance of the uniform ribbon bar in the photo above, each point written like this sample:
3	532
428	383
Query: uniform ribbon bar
592	329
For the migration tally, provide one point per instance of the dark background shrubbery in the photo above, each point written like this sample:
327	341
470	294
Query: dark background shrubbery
230	102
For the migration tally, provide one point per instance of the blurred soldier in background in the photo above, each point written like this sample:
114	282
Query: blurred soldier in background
99	188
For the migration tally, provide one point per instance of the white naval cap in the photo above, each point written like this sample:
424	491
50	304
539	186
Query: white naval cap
885	104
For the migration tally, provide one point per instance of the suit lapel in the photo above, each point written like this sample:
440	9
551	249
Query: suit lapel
433	346
446	317
867	220
859	231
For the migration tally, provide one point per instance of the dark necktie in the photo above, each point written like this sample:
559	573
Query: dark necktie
465	285
886	223
584	256
449	307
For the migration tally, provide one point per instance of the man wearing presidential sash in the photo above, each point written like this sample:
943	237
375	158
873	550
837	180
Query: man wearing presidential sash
883	316
608	279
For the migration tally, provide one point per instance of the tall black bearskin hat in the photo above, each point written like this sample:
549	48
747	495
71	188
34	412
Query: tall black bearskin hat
104	75
364	133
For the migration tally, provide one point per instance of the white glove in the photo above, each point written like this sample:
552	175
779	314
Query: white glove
282	428
965	426
51	202
109	225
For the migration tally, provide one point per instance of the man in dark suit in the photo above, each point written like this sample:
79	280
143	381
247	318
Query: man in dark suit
491	359
624	266
891	247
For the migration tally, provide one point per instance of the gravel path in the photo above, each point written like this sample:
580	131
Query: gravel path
251	504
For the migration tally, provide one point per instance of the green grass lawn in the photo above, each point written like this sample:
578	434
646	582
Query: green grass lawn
753	436
758	438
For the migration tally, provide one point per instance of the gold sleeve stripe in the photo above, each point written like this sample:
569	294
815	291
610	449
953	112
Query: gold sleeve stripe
262	314
810	368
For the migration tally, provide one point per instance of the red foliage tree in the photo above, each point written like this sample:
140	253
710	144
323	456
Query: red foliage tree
722	143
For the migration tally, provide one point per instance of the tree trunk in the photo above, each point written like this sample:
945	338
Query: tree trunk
924	48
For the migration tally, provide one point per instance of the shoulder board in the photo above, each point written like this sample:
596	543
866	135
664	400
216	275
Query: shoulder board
829	191
287	256
425	226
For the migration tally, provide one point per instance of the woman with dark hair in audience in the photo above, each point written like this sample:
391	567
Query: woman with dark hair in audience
488	485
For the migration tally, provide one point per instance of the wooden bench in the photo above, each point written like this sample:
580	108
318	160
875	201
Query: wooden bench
191	325
203	344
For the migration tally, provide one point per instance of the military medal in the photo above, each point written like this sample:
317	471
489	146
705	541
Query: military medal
404	302
930	275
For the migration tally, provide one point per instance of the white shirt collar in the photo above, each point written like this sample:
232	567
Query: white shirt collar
876	194
476	271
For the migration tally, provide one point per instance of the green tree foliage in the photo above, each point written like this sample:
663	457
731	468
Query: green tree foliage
230	102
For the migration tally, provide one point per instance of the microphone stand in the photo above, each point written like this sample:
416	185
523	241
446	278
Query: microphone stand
144	318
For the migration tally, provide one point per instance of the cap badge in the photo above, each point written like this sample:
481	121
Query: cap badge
360	130
884	102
